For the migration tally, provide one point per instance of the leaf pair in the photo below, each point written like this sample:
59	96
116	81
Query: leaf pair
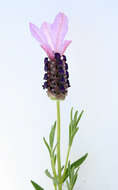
51	140
73	127
72	176
51	148
55	179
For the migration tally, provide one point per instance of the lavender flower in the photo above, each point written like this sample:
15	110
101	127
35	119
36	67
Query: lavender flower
51	38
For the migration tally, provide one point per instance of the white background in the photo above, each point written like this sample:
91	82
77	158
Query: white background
26	113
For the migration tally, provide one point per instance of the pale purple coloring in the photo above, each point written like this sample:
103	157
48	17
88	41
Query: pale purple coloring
51	36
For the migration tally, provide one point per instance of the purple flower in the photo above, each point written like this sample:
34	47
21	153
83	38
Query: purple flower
51	36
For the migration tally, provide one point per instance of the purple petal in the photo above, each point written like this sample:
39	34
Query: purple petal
65	45
48	34
47	49
40	35
59	28
51	36
36	33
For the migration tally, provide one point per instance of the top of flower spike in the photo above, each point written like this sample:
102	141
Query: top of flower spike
51	36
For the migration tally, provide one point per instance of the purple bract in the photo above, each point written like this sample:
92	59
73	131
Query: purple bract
51	36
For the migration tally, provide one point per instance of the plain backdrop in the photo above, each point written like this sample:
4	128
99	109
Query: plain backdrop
26	113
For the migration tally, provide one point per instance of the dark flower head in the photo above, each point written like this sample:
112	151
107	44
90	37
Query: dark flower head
51	38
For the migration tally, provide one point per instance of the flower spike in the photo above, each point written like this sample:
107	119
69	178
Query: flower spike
52	40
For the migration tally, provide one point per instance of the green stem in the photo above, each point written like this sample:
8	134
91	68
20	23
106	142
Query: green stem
67	157
54	171
58	145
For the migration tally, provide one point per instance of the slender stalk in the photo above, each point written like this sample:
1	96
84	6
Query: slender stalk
55	186
54	171
67	157
53	167
58	145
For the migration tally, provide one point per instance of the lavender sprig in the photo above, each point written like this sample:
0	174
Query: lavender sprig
56	81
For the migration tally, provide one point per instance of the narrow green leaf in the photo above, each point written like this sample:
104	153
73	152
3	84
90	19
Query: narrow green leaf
75	178
62	168
54	149
69	170
55	180
71	114
72	174
52	134
75	118
74	181
80	115
77	163
55	159
70	134
47	145
72	177
48	174
36	186
74	132
68	186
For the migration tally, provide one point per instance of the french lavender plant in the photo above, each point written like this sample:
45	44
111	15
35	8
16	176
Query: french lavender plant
56	82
